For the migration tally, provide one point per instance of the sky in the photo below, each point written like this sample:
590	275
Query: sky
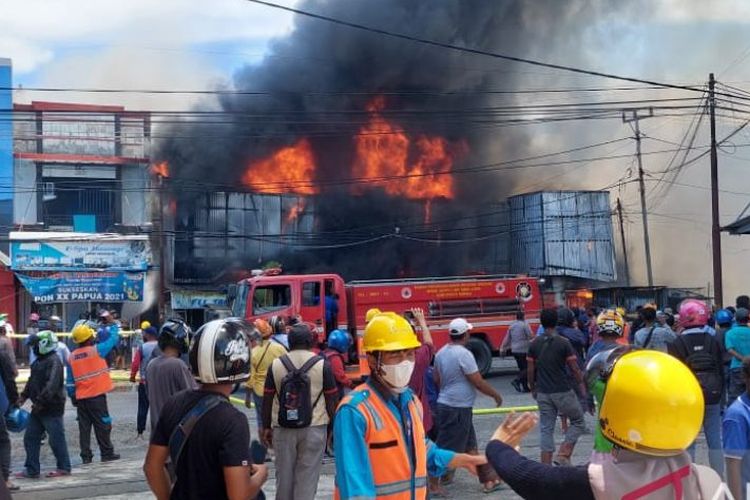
195	44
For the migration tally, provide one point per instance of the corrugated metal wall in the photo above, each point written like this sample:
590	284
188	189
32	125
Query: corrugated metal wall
562	233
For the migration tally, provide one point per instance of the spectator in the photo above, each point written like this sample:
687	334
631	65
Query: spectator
736	436
215	460
517	339
331	309
422	360
724	319
737	343
141	359
280	333
652	335
458	378
33	327
298	434
8	399
166	373
742	301
6	347
701	352
45	388
550	355
90	381
108	327
338	345
263	355
55	324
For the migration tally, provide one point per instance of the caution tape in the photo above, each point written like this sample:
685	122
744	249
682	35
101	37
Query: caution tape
123	333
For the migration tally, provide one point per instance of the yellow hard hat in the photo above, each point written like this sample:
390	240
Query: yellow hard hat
610	321
620	311
82	333
145	324
387	331
371	313
652	404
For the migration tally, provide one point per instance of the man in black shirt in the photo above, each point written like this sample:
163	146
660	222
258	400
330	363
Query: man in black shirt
214	461
548	357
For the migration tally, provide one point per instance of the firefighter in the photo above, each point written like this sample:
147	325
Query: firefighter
89	382
379	438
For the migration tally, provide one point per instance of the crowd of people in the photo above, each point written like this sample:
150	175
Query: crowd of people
653	382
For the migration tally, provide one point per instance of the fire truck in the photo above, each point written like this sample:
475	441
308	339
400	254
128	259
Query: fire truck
489	302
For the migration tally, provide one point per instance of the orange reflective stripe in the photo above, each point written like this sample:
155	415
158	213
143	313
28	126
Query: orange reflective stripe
90	373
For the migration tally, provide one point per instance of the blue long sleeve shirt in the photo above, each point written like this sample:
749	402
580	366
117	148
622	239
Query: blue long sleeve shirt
102	348
354	477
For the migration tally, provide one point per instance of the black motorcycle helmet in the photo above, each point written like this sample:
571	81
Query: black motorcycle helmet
174	333
220	352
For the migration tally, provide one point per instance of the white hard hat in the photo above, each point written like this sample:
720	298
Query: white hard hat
459	326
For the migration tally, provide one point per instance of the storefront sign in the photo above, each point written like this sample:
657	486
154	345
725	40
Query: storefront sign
183	299
84	286
126	255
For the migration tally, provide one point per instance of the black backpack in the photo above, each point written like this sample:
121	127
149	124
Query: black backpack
701	359
295	394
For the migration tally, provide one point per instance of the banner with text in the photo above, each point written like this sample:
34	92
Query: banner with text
124	255
83	287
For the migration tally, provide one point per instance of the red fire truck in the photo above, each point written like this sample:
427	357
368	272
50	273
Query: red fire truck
490	303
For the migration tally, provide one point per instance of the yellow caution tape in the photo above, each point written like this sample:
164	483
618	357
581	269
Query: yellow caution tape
123	333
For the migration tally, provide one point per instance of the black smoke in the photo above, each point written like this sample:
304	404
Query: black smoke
319	80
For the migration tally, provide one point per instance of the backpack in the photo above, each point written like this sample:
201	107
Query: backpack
295	394
701	359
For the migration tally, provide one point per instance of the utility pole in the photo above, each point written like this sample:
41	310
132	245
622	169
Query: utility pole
715	227
637	129
162	240
624	245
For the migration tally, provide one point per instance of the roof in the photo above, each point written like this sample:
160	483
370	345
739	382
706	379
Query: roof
740	226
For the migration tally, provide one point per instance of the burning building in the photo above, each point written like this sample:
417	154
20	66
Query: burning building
351	152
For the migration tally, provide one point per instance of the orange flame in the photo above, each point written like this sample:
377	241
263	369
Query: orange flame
160	169
291	169
417	169
295	211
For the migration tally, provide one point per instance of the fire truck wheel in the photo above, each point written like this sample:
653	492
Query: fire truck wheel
482	354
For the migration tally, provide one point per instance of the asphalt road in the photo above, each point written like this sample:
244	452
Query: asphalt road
124	479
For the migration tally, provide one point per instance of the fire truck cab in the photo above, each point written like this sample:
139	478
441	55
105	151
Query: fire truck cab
490	303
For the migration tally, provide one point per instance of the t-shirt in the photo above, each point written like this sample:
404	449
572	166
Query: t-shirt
550	354
659	339
422	358
453	363
221	438
736	433
167	376
261	358
737	338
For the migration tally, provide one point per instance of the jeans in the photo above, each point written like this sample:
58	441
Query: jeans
552	405
32	442
142	408
712	431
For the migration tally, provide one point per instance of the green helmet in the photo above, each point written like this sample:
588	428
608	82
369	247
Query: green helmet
46	342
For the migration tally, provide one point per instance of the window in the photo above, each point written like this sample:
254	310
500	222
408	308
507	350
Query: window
271	298
239	304
311	294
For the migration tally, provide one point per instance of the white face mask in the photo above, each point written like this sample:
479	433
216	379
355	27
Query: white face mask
398	375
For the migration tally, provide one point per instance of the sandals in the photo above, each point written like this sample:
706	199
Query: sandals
57	473
12	486
25	475
497	485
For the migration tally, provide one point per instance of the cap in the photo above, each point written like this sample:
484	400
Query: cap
54	318
104	314
459	326
742	315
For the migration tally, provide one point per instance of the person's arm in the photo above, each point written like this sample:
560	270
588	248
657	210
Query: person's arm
330	390
104	347
572	362
70	384
531	479
422	322
240	484
353	469
485	388
136	363
734	476
436	378
187	380
9	378
154	467
505	345
531	375
736	443
269	392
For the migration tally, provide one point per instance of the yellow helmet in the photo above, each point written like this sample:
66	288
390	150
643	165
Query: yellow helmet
145	324
652	404
387	331
82	333
610	321
371	313
620	311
